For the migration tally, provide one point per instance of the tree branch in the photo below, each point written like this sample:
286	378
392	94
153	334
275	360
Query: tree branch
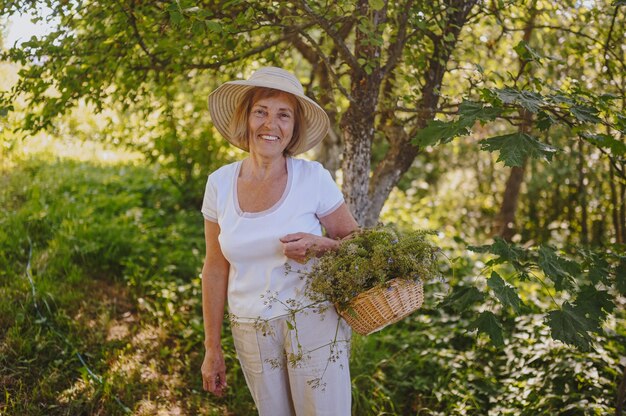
401	152
339	41
397	47
217	64
577	33
156	61
328	65
608	42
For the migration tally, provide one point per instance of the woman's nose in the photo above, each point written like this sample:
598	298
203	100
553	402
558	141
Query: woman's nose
270	121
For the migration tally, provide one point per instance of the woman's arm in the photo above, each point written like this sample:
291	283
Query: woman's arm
214	286
338	224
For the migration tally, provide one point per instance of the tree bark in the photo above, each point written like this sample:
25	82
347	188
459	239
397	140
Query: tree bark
582	192
615	207
358	133
622	210
504	225
621	395
357	123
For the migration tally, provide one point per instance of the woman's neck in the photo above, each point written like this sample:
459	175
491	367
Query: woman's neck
260	168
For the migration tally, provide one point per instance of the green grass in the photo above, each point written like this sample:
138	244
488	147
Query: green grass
115	263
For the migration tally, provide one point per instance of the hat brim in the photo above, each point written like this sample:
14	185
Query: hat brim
224	100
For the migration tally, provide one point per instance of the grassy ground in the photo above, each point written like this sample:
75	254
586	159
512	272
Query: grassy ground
112	325
111	319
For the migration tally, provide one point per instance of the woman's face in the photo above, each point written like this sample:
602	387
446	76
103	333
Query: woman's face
271	122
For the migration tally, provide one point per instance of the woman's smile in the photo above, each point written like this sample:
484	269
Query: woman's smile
269	138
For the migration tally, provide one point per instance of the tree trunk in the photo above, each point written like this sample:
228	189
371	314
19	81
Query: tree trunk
358	122
621	395
582	192
570	206
505	221
358	132
615	207
533	215
622	210
387	174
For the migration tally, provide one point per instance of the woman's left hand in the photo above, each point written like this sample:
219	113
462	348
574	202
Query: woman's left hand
299	246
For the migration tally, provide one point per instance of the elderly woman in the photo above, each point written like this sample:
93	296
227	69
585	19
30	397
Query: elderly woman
260	213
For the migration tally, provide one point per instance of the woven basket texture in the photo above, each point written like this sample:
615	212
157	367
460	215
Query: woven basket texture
380	306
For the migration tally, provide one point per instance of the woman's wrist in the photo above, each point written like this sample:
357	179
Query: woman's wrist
325	244
211	345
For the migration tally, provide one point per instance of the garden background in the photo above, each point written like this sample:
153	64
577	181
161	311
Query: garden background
499	124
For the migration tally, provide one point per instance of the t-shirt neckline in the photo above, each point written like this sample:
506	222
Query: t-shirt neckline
271	209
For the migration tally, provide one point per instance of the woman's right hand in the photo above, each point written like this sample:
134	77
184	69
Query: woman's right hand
214	371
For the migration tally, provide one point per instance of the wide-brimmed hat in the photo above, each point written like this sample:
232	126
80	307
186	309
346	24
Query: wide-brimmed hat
225	99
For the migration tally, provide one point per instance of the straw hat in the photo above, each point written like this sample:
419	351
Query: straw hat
224	100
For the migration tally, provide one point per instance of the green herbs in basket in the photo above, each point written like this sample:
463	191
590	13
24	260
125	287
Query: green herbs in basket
371	257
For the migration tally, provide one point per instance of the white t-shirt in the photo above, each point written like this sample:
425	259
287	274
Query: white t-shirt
250	241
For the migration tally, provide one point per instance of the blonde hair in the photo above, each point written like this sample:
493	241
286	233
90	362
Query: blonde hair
239	122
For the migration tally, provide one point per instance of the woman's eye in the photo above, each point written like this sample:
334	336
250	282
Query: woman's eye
285	115
258	112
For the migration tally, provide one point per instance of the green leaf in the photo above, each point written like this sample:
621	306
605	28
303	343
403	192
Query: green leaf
571	326
462	297
4	111
376	4
487	323
478	111
506	252
598	268
585	113
437	131
595	304
544	121
516	147
530	100
561	99
198	28
506	294
618	148
620	123
608	97
526	52
557	268
175	17
213	26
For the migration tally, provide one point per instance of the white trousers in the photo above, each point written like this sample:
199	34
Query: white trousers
297	369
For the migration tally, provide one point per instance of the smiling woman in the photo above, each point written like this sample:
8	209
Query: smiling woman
262	213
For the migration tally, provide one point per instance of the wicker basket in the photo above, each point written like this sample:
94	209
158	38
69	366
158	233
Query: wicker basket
380	306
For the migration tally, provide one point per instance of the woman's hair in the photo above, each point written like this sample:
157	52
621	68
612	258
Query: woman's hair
239	122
